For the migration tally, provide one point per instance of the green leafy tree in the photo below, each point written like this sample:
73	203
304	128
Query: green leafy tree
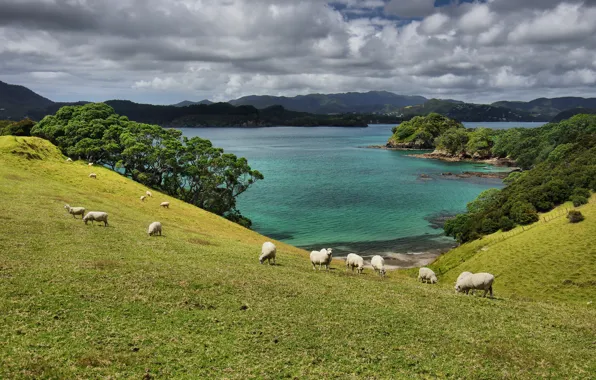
454	141
189	169
480	142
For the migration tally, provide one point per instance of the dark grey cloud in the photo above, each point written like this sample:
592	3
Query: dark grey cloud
163	51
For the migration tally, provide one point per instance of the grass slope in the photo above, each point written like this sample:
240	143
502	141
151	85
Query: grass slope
553	261
81	301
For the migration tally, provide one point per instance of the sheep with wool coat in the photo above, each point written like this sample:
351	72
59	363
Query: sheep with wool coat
148	193
75	211
93	175
268	252
355	261
480	281
322	257
154	229
165	204
142	198
427	275
97	216
463	275
378	264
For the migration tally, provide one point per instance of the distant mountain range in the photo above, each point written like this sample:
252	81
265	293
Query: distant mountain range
367	102
17	102
186	103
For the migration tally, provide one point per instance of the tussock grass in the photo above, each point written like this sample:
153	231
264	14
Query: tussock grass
81	301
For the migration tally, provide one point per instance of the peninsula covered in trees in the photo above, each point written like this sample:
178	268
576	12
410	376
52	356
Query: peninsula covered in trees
558	162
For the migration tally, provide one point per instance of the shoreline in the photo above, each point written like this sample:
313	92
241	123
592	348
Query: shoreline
431	155
401	253
502	162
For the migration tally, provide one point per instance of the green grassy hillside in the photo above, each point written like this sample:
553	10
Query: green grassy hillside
554	260
83	301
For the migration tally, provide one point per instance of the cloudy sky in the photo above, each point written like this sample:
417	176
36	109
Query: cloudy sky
165	51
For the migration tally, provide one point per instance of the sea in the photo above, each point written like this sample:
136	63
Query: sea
324	188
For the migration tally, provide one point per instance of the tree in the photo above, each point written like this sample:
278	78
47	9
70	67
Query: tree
188	169
453	141
480	142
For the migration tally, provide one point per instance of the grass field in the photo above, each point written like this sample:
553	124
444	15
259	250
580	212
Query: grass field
550	261
83	301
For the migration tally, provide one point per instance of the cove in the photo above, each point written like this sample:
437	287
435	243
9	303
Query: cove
323	188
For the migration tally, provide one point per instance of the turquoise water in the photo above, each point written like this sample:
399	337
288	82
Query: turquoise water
322	187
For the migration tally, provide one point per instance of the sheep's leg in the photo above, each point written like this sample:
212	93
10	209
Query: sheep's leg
491	291
313	266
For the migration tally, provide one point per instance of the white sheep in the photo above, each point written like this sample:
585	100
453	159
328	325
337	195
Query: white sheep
268	252
68	159
148	193
462	275
142	198
165	204
322	257
355	261
75	211
154	229
480	281
97	216
378	264
90	164
93	175
427	275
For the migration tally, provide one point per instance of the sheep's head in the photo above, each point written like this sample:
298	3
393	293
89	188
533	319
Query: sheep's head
457	288
67	206
328	251
433	279
382	272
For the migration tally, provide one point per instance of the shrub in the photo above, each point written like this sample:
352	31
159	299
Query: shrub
583	192
578	200
575	216
506	224
523	213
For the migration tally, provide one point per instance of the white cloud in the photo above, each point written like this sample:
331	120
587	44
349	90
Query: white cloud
166	51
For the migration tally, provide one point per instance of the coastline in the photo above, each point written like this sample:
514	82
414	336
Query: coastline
434	155
489	161
401	253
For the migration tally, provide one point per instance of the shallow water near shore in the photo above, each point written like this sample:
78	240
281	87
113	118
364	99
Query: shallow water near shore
323	189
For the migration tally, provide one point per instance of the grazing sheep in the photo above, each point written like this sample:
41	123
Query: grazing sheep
462	275
75	211
68	159
97	216
148	193
93	175
480	281
142	198
427	275
268	252
322	257
378	264
154	229
90	164
355	261
165	204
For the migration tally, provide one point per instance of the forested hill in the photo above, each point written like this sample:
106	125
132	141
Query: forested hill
359	102
548	108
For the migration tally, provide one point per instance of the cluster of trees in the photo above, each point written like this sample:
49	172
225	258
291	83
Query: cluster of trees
422	131
189	169
16	128
561	163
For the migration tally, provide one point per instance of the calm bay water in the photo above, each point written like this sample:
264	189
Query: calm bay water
322	187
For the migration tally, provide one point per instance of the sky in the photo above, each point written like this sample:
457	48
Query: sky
166	51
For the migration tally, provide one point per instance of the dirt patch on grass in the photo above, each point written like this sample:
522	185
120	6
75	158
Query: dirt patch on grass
101	264
200	241
13	177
